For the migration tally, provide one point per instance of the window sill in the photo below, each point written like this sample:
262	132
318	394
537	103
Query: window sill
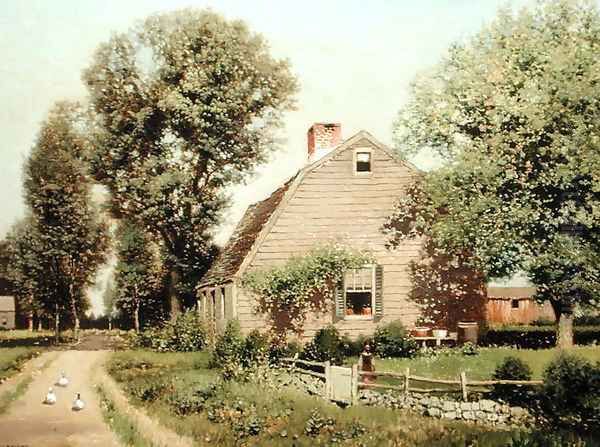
358	317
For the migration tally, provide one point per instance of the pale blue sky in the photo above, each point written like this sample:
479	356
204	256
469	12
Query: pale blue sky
354	59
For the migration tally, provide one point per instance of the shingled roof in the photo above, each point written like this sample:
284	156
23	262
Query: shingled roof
242	239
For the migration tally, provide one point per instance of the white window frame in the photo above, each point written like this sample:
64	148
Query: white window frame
373	295
362	150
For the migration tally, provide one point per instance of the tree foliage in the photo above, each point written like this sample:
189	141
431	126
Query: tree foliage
303	285
185	106
67	225
26	266
515	113
139	274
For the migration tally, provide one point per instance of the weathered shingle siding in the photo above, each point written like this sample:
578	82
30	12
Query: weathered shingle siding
333	204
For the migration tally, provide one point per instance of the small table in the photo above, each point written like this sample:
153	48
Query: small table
452	336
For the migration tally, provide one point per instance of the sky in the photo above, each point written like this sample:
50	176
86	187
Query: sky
354	61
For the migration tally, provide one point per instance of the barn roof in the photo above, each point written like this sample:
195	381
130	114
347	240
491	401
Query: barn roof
7	303
256	219
510	292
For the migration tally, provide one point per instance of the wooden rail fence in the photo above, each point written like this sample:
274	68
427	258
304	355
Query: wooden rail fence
461	384
356	380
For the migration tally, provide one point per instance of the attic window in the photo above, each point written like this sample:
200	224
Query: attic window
363	162
514	304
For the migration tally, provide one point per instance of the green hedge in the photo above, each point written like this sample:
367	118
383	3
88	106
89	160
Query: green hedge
536	337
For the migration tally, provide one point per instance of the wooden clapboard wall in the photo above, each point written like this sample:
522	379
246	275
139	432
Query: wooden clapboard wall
331	203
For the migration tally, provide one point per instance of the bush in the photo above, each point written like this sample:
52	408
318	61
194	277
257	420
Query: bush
228	349
392	340
280	350
326	345
255	349
536	337
353	348
512	368
469	348
587	320
571	392
543	322
187	333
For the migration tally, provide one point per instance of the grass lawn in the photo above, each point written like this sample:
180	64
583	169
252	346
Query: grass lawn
481	366
176	390
11	360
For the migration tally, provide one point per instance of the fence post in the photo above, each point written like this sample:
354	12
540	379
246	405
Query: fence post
354	379
407	380
463	385
328	380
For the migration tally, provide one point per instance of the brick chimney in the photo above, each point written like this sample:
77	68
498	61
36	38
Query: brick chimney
322	137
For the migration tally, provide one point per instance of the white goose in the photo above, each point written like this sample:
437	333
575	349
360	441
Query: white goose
50	397
62	381
78	404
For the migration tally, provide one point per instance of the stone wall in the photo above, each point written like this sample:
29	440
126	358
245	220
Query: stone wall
483	411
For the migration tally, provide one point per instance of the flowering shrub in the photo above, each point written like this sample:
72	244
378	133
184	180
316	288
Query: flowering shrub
305	284
187	333
326	345
392	340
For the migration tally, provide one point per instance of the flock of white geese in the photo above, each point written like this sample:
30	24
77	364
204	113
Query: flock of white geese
63	381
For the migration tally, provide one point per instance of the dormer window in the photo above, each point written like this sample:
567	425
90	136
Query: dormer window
363	162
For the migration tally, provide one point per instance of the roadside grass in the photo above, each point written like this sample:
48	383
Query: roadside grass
449	363
25	338
120	424
11	360
255	413
8	397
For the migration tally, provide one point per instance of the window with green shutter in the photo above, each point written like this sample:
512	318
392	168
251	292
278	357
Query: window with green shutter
360	294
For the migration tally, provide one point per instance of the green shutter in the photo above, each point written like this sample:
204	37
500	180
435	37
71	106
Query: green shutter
378	292
340	302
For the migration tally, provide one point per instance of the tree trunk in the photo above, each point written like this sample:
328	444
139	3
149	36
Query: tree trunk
110	324
564	337
564	332
30	314
175	305
136	310
74	312
57	325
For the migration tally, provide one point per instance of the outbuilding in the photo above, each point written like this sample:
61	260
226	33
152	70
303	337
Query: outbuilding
7	312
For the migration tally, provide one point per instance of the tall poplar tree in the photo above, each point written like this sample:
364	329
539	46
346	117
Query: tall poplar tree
69	227
185	107
139	274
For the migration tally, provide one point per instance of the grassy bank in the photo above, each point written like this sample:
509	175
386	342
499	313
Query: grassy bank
448	365
120	424
11	360
176	390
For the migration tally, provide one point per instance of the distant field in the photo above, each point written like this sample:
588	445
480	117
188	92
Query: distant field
481	366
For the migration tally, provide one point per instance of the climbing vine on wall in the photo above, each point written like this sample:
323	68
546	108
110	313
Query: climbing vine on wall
306	284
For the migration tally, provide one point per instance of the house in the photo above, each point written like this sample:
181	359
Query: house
7	312
343	195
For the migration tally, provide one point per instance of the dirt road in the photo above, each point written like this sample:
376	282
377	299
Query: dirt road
29	422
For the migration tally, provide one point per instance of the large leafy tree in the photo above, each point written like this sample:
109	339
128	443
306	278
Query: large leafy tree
139	274
26	267
185	106
515	114
68	225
